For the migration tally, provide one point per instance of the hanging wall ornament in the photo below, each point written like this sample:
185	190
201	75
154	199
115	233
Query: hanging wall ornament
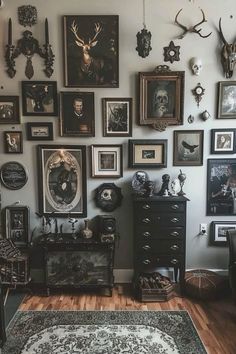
27	15
171	53
143	39
198	92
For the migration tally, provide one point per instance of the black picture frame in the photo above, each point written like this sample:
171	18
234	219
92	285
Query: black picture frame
13	175
39	131
218	232
16	224
108	196
89	62
77	116
39	98
62	180
9	110
226	100
188	147
223	141
117	116
106	161
221	191
150	153
13	142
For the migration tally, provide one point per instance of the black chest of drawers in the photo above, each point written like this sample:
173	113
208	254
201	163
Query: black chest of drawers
160	235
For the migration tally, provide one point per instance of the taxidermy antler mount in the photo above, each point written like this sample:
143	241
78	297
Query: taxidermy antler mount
192	29
228	54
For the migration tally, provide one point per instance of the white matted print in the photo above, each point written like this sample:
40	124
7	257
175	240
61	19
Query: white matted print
106	161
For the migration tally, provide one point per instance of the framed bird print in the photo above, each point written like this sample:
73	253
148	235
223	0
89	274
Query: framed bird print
188	148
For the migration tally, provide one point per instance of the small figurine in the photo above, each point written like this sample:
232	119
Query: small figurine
149	186
164	191
182	177
139	180
175	186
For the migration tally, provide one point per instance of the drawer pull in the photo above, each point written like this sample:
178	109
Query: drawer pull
174	220
146	247
175	206
146	206
146	234
175	233
146	220
174	247
174	261
146	261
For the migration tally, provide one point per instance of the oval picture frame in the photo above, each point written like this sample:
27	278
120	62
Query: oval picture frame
13	175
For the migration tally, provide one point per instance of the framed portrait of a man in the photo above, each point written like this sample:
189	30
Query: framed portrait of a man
226	99
77	114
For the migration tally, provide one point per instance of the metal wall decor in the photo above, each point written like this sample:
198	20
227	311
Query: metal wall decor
27	15
108	196
198	92
28	46
228	55
171	53
144	39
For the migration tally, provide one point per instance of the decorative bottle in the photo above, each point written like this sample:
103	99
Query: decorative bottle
86	232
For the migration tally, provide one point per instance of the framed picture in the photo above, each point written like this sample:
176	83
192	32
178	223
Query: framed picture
117	116
106	161
9	110
161	98
39	98
13	142
219	230
188	148
13	175
147	153
77	114
39	131
226	99
91	48
221	187
62	180
223	141
16	221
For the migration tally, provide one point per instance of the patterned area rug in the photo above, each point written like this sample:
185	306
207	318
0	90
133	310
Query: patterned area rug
102	332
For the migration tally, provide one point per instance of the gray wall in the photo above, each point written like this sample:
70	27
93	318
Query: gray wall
160	21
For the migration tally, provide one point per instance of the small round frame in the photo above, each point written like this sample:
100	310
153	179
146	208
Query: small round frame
108	196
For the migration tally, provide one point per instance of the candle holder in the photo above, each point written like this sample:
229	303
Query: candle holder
28	46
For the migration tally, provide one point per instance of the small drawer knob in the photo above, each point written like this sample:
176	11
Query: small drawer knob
175	206
146	261
174	220
174	261
146	220
175	233
146	206
146	247
174	247
146	234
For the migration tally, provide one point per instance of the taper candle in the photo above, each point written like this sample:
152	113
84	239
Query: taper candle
9	32
46	32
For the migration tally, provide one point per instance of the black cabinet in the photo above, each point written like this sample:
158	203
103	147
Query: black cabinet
159	235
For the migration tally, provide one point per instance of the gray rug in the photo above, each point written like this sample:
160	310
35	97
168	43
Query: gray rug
102	332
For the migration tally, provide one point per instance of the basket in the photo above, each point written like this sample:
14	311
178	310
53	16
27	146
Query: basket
158	293
14	271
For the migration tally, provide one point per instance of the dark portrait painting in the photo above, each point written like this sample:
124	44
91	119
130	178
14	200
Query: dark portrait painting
77	114
161	98
91	51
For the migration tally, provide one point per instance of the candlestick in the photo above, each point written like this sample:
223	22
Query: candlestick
9	32
46	32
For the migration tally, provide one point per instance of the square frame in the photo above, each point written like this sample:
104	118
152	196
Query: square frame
218	232
77	116
39	98
13	142
223	141
167	110
39	131
9	110
226	99
16	224
90	63
117	116
106	161
221	190
188	147
62	183
147	153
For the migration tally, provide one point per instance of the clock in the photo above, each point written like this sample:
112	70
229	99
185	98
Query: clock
198	92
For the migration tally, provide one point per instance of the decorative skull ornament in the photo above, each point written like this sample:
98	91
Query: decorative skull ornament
196	66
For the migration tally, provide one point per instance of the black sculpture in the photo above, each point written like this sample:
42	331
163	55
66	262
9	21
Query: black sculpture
164	191
143	43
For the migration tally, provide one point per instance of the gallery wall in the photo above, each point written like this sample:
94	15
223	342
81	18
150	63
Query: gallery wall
160	16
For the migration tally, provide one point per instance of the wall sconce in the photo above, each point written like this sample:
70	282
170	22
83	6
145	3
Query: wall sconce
28	46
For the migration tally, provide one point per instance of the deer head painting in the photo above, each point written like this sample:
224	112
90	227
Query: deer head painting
91	51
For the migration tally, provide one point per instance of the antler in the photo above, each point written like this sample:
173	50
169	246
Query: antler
180	25
198	31
98	29
74	29
221	33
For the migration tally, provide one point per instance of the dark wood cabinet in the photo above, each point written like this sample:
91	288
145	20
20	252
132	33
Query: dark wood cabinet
159	235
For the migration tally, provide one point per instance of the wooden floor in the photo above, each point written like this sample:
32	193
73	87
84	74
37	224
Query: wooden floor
215	321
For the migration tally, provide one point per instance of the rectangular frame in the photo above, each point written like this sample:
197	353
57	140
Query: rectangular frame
117	116
223	141
90	63
16	222
161	98
13	142
188	147
221	187
39	98
9	110
147	153
226	99
77	116
106	161
39	131
62	180
218	232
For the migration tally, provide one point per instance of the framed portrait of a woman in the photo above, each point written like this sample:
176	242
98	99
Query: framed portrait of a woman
223	141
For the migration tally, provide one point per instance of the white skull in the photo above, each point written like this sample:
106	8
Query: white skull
196	65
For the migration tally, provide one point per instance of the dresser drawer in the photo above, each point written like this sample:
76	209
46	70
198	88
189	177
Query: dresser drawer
160	220
151	261
160	247
166	207
149	232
